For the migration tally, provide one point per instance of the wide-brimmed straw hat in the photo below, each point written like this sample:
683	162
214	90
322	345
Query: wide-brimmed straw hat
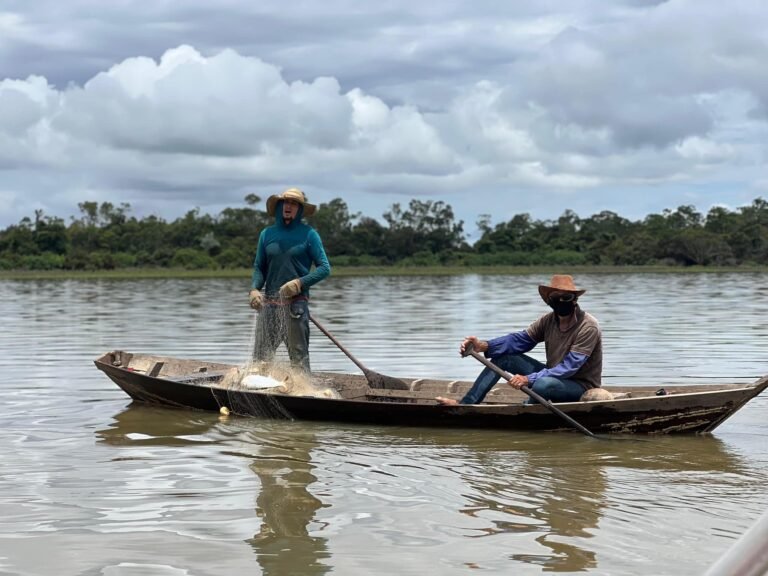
291	194
559	283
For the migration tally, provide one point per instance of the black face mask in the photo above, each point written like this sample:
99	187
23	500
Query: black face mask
563	306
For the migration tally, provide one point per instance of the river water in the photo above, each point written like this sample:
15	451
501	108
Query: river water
94	485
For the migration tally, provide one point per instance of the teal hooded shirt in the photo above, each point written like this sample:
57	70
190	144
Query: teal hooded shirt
286	252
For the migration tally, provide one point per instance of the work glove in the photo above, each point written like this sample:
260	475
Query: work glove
290	289
256	299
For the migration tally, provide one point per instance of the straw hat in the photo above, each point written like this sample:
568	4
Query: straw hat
559	283
291	194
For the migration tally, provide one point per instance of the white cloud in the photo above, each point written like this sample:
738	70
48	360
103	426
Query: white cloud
162	108
12	26
226	105
705	151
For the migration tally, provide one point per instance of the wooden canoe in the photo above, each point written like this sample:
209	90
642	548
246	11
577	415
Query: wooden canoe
195	384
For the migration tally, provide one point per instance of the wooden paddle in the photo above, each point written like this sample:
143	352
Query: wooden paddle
469	350
375	380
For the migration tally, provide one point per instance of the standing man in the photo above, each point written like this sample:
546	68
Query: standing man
282	276
573	343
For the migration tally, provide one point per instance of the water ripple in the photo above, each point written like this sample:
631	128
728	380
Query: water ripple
182	492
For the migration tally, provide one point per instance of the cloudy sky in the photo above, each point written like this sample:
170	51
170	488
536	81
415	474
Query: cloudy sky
492	107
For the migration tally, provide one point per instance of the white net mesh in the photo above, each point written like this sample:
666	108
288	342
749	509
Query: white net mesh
267	370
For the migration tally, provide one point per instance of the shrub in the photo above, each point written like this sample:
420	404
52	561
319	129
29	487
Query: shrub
124	260
192	259
362	260
234	258
44	261
421	258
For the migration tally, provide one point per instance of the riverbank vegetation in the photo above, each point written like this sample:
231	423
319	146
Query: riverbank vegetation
423	237
352	271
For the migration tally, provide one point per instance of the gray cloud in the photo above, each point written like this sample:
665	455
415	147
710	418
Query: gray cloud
169	106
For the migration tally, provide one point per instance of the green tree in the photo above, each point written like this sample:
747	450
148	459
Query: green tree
368	239
424	226
333	223
50	233
505	236
695	246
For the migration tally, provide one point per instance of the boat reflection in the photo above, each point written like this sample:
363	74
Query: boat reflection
140	425
281	459
287	508
552	489
539	499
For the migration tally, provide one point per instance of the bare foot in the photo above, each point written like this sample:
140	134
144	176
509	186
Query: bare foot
447	401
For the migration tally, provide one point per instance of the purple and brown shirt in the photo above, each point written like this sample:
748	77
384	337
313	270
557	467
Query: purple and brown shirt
576	354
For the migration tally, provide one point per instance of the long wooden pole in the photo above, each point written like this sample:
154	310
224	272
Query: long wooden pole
507	376
375	380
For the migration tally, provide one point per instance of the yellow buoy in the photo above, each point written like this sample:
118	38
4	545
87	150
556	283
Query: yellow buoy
224	411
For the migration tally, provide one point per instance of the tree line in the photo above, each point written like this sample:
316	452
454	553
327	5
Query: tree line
423	233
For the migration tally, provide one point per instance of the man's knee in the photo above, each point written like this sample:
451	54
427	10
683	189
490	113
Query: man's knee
550	388
554	389
514	363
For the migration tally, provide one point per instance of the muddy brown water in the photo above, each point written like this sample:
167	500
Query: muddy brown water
92	484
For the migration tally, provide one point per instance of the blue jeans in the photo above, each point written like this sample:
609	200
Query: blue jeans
548	387
284	324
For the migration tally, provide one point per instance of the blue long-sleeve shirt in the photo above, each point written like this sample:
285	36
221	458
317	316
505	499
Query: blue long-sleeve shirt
521	342
286	252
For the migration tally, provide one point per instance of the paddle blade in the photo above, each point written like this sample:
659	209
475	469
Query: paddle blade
376	380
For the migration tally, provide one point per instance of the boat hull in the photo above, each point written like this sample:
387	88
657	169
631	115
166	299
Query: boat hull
196	385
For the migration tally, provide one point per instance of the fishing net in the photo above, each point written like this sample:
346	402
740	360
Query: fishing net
267	369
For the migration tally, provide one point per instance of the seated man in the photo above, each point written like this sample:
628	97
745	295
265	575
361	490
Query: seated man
573	347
